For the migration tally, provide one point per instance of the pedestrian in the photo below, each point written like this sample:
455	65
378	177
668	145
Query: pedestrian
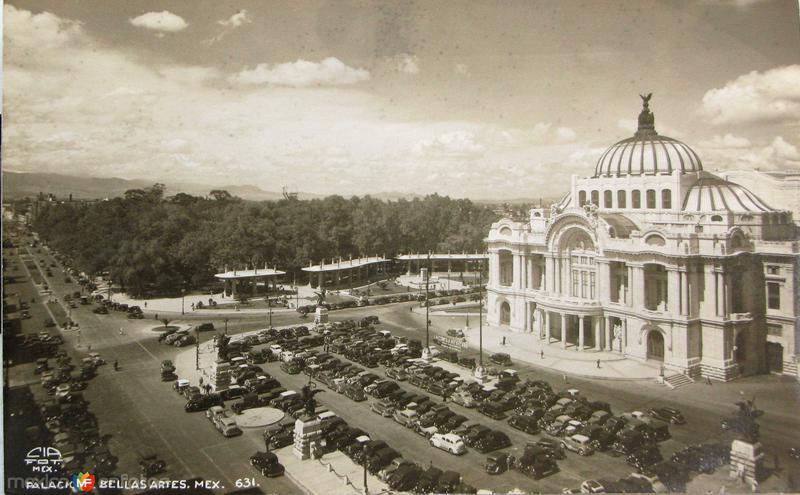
598	364
145	304
541	353
504	341
192	306
708	380
201	381
116	365
89	348
208	388
156	317
121	331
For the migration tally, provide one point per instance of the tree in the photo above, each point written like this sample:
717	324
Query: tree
220	195
165	321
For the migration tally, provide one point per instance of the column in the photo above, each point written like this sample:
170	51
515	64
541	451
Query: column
319	283
580	332
624	336
598	341
609	329
408	270
233	288
516	274
684	280
604	285
549	273
547	326
629	286
673	291
529	283
563	331
637	287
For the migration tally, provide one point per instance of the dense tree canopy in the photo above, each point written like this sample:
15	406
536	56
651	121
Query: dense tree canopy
149	243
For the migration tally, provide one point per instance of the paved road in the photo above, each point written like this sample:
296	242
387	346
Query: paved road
139	411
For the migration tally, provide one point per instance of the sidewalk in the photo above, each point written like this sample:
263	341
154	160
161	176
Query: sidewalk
334	474
527	347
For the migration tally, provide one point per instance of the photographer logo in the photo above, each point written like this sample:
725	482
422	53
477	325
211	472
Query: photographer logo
44	459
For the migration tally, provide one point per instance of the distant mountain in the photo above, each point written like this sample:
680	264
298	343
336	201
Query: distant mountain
21	184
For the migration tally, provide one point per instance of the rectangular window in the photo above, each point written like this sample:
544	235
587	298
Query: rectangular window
591	285
773	270
575	283
773	295
584	282
775	330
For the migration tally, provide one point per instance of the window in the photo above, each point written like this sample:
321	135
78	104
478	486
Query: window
596	198
621	199
773	270
575	282
608	198
773	295
651	199
666	199
636	199
775	330
581	198
716	218
591	285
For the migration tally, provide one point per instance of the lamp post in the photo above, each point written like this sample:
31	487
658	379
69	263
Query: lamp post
366	490
269	312
427	352
197	349
226	326
183	300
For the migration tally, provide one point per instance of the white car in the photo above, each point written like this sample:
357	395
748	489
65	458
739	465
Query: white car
227	426
449	442
62	390
579	444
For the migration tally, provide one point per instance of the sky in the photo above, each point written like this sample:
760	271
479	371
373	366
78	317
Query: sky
463	98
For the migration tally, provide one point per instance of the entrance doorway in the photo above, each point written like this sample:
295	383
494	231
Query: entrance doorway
655	345
505	314
774	357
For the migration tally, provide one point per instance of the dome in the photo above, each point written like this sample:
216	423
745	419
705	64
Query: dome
712	193
647	152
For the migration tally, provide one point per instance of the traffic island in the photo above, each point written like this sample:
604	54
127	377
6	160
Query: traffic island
259	417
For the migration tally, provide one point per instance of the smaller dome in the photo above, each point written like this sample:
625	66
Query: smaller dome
712	193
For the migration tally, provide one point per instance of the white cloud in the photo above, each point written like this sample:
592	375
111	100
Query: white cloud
236	20
742	4
164	21
462	69
776	155
302	73
726	141
450	144
408	63
26	31
545	133
770	96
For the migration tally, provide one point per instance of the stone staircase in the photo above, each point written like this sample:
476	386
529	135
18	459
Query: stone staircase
677	380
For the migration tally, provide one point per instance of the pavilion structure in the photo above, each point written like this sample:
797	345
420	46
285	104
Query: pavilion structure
343	272
249	279
443	262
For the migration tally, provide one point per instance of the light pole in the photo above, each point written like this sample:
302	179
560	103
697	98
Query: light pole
366	491
226	326
197	349
427	308
183	300
480	315
269	312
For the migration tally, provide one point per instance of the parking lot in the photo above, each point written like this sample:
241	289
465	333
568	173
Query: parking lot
134	407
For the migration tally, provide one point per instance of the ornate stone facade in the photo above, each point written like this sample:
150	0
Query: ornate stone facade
656	259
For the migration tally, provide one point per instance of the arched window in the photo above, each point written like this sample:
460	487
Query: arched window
666	199
581	198
621	199
636	199
716	218
608	198
596	198
651	199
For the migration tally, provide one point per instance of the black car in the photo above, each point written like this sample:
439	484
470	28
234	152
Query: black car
668	414
281	439
203	402
524	423
405	477
644	457
536	467
232	392
673	475
550	445
692	459
500	358
494	410
267	463
494	440
428	480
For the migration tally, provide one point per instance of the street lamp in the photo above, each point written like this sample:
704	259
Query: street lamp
427	308
366	491
269	312
480	314
226	326
183	300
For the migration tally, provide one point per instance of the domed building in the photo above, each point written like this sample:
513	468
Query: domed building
655	259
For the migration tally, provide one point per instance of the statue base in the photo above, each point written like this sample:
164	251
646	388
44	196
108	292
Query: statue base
320	315
426	354
480	374
747	461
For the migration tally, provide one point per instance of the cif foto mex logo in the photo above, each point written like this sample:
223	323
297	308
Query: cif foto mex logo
44	459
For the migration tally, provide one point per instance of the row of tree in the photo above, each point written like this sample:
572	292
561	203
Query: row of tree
154	244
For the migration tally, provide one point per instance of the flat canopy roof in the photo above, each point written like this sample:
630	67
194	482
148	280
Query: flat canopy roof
258	273
344	264
445	256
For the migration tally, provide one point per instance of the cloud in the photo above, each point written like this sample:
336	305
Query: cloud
756	97
302	73
236	20
164	22
545	133
450	144
778	154
726	141
25	30
462	69
408	63
741	4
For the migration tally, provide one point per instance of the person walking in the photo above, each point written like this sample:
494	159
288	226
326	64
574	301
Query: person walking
541	353
116	365
504	341
145	304
598	364
201	382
